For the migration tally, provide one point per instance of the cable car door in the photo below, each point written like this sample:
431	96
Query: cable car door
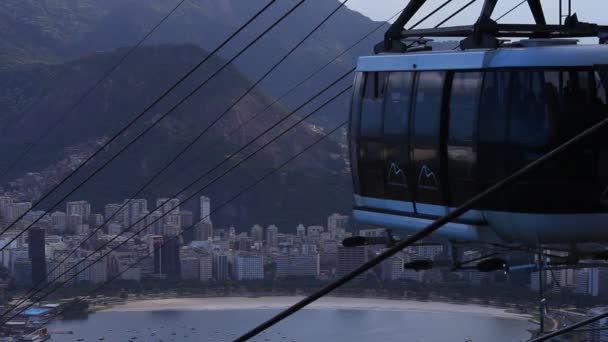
425	143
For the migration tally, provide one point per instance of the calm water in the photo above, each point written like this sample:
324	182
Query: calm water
308	325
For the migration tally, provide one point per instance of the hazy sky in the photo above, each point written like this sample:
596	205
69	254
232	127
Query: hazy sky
588	10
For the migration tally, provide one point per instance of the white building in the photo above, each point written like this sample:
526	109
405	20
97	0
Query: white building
111	212
315	231
59	221
301	231
81	208
272	236
205	209
134	209
170	207
257	233
336	223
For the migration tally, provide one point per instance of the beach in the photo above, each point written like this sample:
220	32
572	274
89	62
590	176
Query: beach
327	303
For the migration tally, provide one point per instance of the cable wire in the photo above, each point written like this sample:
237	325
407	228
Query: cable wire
189	145
428	230
511	10
240	162
88	92
202	176
291	90
225	203
105	164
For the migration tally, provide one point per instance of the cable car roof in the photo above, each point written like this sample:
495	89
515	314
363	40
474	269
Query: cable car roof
542	56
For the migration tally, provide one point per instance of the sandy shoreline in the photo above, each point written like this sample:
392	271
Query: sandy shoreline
333	303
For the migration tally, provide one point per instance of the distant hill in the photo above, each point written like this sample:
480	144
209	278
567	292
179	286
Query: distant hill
59	30
315	186
52	50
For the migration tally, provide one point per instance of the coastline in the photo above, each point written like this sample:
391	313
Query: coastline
328	303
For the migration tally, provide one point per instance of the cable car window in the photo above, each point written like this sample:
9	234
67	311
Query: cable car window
493	128
397	103
429	95
464	99
529	109
371	107
371	168
461	143
493	117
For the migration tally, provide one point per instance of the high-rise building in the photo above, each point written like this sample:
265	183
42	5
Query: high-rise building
298	265
190	268
73	222
93	270
81	208
59	221
349	258
315	231
20	208
205	209
301	231
37	254
206	267
96	220
110	210
6	208
221	267
170	259
186	220
392	268
244	243
134	209
248	266
203	231
114	228
155	224
583	281
272	236
257	233
170	207
336	222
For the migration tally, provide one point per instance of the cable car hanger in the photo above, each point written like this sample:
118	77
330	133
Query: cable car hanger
485	32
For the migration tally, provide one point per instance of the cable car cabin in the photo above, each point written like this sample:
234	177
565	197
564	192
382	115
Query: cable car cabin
430	130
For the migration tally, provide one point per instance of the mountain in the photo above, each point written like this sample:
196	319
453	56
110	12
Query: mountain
34	95
60	30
